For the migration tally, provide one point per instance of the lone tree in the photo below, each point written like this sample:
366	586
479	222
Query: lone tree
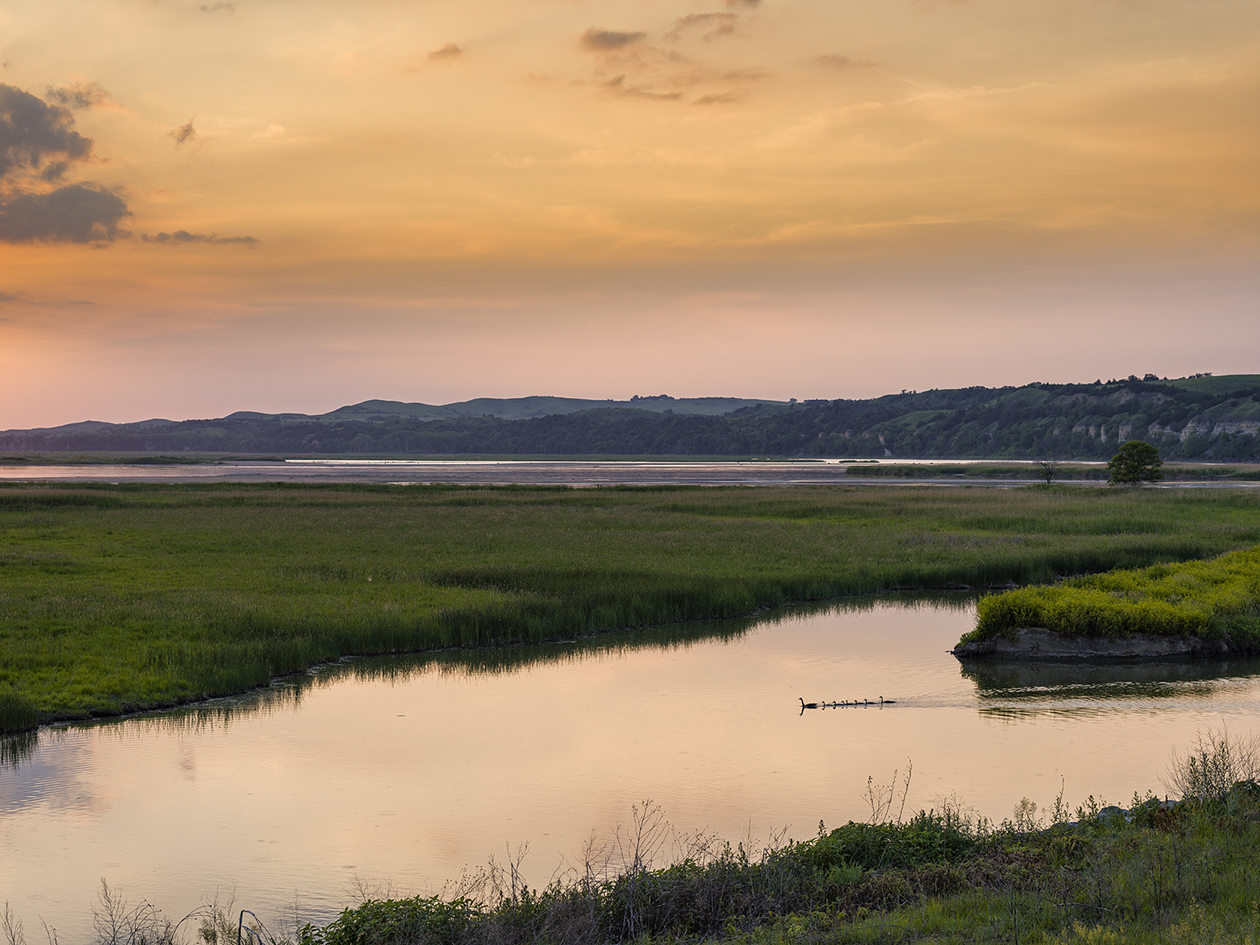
1049	470
1136	463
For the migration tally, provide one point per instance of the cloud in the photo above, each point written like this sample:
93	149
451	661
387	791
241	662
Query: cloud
511	160
716	24
81	94
617	85
221	6
844	62
722	98
597	40
446	53
32	130
71	214
184	133
183	236
742	3
271	131
54	171
7	297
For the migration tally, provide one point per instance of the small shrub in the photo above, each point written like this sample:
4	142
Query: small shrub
1214	765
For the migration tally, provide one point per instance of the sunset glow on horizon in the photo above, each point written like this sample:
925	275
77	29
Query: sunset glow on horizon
209	206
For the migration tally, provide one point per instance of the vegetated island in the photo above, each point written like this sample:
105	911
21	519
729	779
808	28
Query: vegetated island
1186	609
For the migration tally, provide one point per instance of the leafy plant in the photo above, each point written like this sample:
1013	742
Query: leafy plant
1214	765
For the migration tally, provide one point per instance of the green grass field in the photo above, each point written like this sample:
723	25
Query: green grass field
117	598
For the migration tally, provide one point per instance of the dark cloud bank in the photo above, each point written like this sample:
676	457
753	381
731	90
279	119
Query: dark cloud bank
38	146
70	214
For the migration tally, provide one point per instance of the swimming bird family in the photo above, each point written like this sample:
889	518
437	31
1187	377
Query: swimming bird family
844	704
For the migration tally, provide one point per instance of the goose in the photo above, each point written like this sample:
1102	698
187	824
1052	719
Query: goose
808	705
883	701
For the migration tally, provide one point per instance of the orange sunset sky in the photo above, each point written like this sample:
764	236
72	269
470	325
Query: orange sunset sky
290	205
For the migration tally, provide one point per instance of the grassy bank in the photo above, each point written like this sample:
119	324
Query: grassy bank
1158	871
116	598
1217	599
1148	874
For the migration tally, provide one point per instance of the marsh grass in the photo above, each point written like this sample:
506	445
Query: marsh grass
16	714
119	598
1217	599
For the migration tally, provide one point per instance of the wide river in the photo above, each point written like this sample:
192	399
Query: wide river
400	775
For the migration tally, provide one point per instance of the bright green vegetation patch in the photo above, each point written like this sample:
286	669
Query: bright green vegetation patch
1217	599
117	598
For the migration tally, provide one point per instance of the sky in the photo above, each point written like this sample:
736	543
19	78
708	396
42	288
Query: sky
292	205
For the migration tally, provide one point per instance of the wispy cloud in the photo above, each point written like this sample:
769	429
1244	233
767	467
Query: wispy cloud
511	160
844	62
183	236
600	40
81	94
220	6
184	133
446	53
722	98
617	85
712	25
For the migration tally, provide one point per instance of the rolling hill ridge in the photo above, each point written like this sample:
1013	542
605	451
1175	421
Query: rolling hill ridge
1201	418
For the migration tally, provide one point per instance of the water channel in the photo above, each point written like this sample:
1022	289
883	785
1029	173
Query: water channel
404	773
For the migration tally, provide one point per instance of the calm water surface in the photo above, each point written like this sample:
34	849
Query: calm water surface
410	772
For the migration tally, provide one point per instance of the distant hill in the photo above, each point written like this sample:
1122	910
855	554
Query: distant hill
524	408
515	408
1196	418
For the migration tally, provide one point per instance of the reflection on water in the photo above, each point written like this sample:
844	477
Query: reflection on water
1005	679
14	749
1020	688
287	694
410	770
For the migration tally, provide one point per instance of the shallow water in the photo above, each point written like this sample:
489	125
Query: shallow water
409	772
466	472
533	472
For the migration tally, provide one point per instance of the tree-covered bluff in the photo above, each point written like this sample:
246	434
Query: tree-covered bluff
1201	418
